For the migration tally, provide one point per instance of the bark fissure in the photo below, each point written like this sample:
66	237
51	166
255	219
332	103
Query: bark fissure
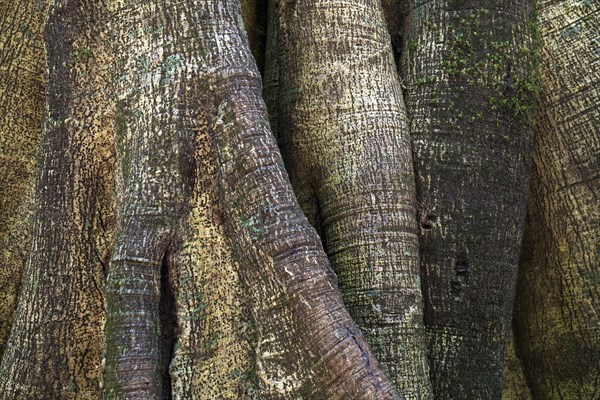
336	102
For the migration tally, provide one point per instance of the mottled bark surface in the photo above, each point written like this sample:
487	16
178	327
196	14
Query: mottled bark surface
172	235
55	347
469	68
22	90
344	137
558	296
305	344
153	190
157	169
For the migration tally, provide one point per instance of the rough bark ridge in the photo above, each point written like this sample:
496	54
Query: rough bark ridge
154	153
22	89
307	345
558	296
344	137
54	349
469	67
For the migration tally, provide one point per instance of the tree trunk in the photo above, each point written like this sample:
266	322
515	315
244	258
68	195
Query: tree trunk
470	72
344	137
55	346
306	345
558	298
22	98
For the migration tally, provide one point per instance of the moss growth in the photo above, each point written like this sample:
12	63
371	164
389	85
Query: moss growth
81	55
412	46
171	65
25	29
424	80
479	59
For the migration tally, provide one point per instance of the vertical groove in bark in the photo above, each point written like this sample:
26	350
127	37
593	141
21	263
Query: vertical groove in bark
271	62
307	345
254	15
54	350
395	12
154	155
514	384
470	71
345	140
22	89
558	294
167	324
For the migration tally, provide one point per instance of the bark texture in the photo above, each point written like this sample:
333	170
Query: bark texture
344	137
173	278
514	383
55	346
558	296
306	346
22	89
153	191
197	81
469	68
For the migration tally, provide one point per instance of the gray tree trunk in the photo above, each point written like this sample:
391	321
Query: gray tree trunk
344	137
469	68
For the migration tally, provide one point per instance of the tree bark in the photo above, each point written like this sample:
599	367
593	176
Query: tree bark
55	346
169	193
558	296
307	345
470	69
201	72
344	136
514	383
22	90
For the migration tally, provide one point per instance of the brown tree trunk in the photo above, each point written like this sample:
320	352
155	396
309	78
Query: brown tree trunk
55	347
22	90
177	83
558	295
307	346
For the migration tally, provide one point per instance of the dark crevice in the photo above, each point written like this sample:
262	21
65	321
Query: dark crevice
167	325
319	225
461	266
429	221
